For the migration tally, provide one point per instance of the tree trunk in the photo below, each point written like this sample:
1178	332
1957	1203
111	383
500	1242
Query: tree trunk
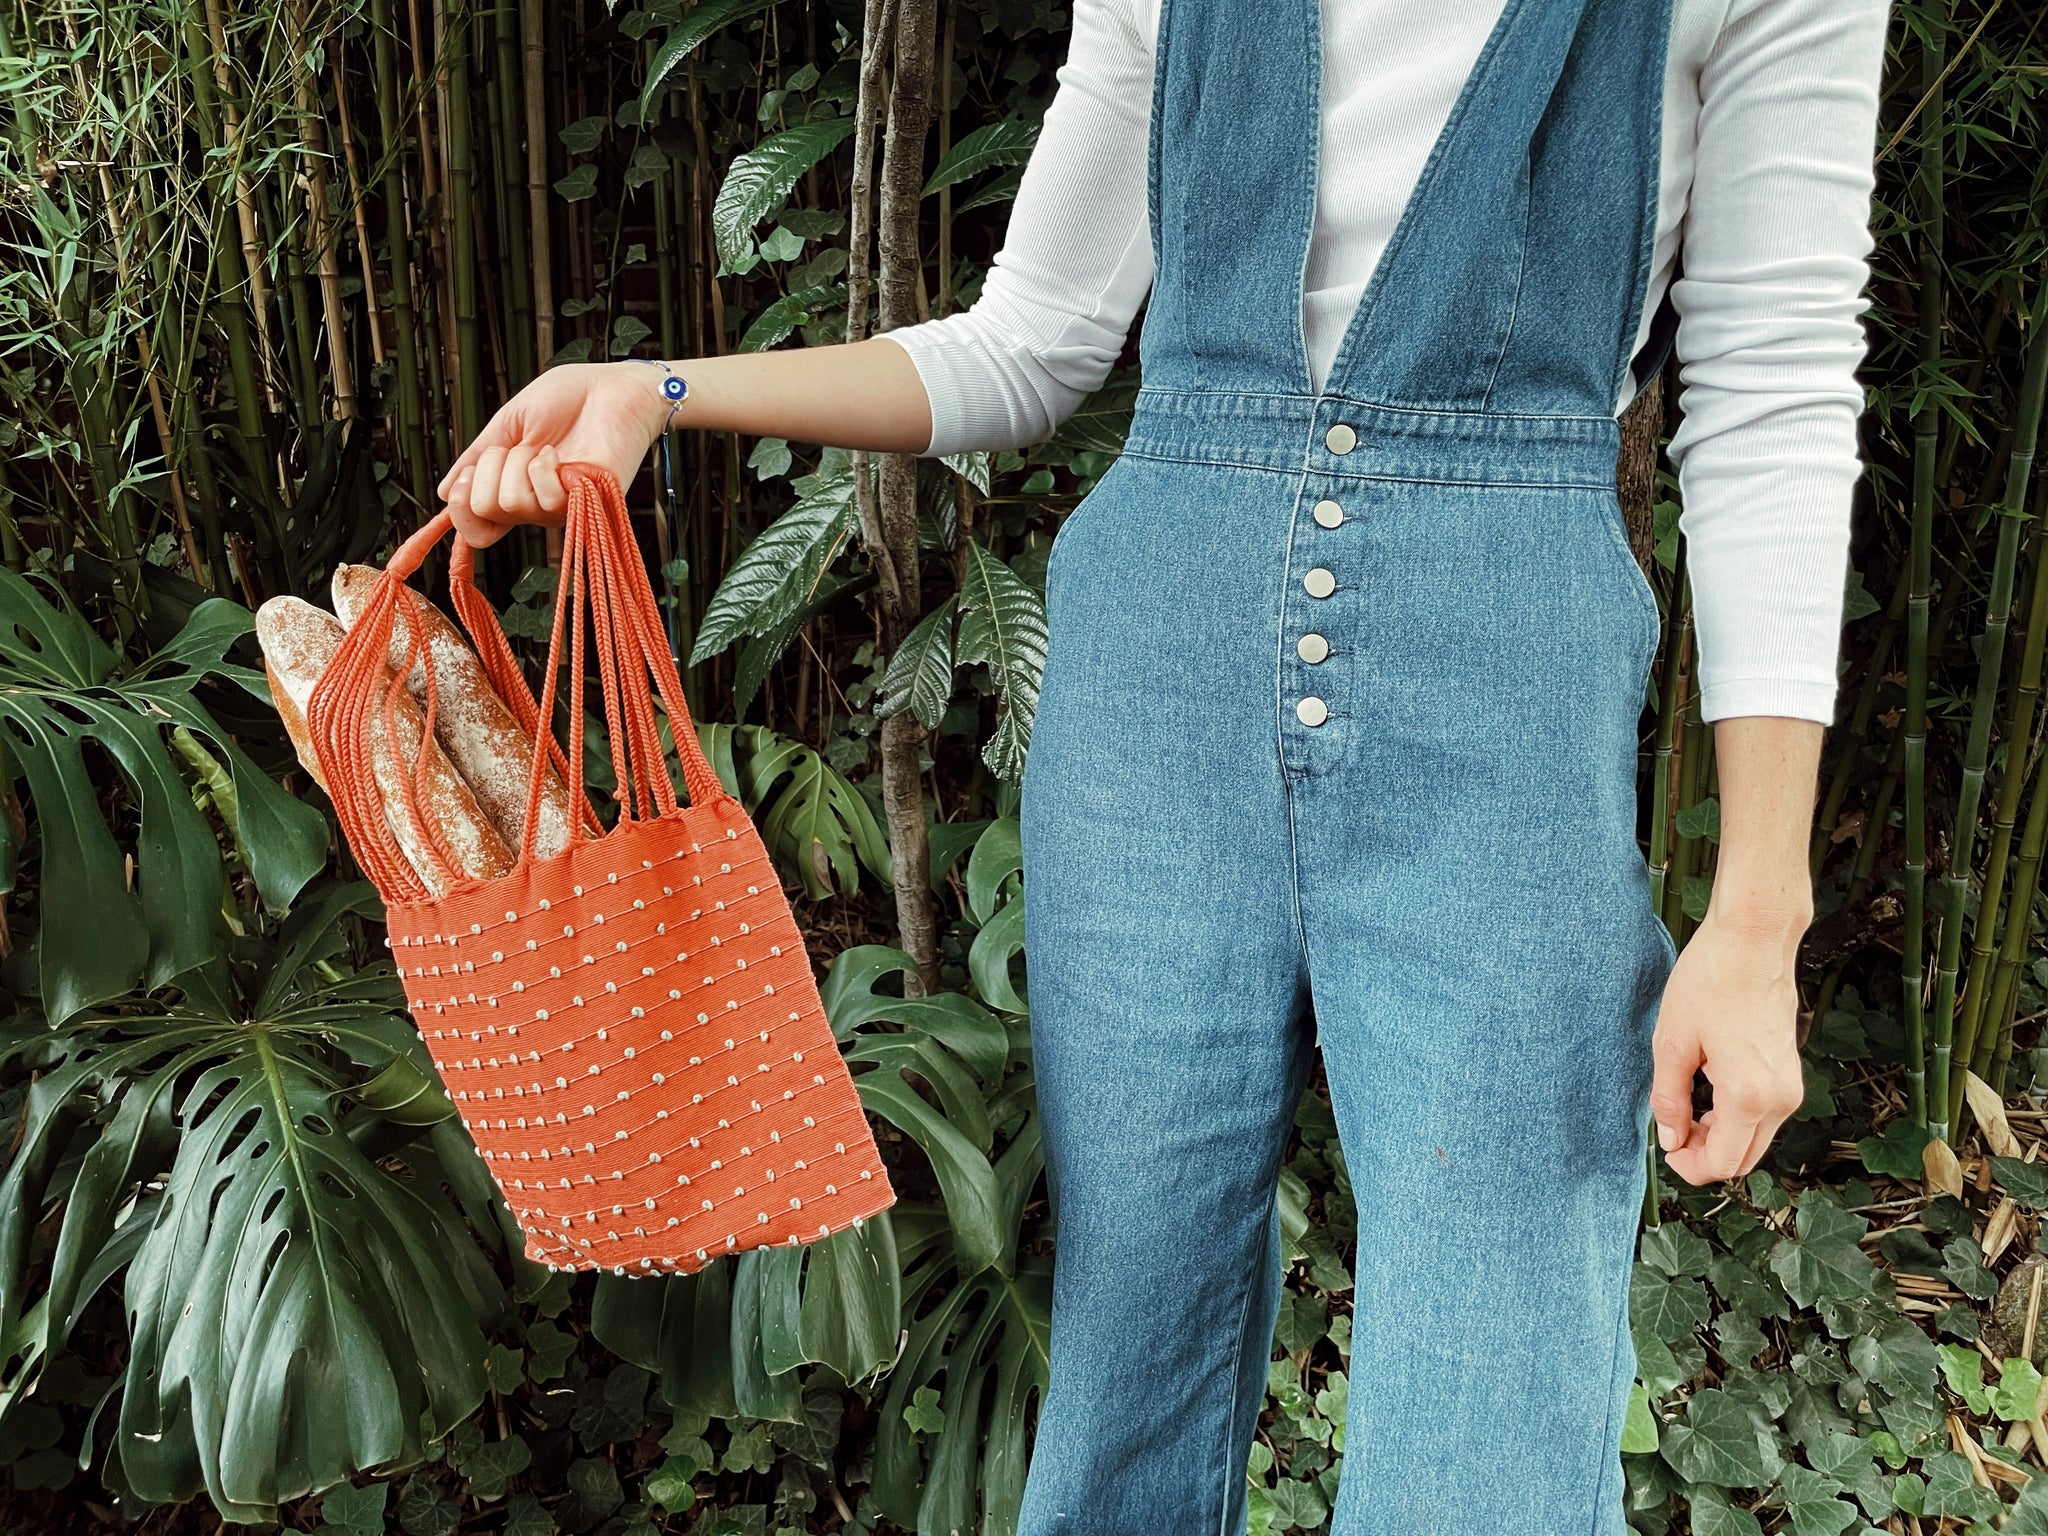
889	518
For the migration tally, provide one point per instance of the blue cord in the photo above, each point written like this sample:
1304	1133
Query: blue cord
675	389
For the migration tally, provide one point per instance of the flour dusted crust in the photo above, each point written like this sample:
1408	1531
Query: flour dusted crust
298	641
294	717
471	723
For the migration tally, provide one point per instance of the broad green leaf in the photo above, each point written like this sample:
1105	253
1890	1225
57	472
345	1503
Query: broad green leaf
777	573
686	37
1002	626
1897	1151
964	1173
919	676
1899	1357
780	319
988	959
1008	142
961	1024
1712	1514
104	933
997	189
998	854
1673	1249
760	180
1667	1309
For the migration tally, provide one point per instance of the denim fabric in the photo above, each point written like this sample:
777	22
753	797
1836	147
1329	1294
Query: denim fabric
1439	884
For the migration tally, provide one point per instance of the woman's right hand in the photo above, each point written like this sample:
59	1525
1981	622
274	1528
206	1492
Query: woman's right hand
599	413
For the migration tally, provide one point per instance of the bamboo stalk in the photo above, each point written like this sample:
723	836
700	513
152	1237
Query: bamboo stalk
1990	662
229	137
2020	725
462	222
322	240
411	415
533	41
1926	441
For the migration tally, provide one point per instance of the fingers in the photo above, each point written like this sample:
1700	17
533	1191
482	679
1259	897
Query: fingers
501	431
548	490
478	531
1732	1147
1676	1057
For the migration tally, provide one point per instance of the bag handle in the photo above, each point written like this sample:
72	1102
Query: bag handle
604	601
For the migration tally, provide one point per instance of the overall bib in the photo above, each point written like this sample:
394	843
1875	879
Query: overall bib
1338	741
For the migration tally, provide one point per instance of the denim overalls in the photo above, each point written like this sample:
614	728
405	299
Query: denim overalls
1338	740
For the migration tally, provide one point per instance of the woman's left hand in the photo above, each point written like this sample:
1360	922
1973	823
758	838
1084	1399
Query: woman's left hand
1731	1010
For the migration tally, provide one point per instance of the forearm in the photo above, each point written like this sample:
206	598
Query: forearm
863	394
1769	767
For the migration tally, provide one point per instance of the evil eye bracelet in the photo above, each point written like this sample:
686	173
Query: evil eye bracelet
674	388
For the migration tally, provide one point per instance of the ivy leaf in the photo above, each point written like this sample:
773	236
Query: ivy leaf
1897	1152
1639	1429
2018	1390
1963	1262
1008	142
1743	1290
594	1492
1899	1357
919	676
583	135
923	1413
1963	1370
759	182
1809	1499
578	184
1667	1309
1723	1443
1673	1249
1952	1490
349	1511
1713	1514
1822	1260
1002	625
2025	1182
1852	1464
2029	1515
1297	1506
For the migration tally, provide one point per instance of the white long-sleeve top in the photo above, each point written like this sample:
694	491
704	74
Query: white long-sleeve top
1766	176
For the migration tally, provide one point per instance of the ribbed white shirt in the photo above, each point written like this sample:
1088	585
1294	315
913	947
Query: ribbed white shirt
1766	175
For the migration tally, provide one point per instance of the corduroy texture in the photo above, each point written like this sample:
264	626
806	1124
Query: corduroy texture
630	1030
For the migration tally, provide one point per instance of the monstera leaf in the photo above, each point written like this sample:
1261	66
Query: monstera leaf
817	825
61	687
306	1297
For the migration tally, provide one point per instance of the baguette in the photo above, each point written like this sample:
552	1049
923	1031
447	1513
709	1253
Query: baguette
481	736
298	641
294	717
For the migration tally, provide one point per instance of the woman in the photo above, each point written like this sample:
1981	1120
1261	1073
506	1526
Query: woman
1337	738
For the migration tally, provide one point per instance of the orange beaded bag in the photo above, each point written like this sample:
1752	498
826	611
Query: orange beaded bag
630	1028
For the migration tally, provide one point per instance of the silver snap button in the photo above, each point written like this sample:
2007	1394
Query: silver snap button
1311	648
1319	582
1340	439
1329	514
1311	711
